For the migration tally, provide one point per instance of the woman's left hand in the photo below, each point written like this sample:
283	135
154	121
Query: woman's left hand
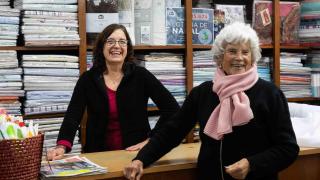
138	146
238	170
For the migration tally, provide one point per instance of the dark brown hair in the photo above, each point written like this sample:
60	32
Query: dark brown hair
99	63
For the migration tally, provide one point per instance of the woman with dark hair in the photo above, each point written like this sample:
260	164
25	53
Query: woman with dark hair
115	93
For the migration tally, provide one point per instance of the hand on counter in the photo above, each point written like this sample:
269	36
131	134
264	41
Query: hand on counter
138	146
134	171
238	170
56	153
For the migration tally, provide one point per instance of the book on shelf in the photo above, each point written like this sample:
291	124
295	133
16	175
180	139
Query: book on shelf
218	21
232	13
126	16
202	25
99	14
71	166
290	21
143	21
51	7
50	1
262	20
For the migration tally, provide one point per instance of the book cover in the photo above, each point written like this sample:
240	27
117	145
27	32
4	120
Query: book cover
290	20
218	22
233	13
262	20
99	14
202	25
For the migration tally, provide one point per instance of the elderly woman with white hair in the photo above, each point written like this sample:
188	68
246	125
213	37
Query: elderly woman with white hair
245	126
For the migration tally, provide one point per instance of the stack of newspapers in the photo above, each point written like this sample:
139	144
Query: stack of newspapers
72	166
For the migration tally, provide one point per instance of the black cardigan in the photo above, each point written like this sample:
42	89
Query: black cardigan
137	85
267	141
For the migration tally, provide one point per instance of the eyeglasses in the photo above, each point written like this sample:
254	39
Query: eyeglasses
121	42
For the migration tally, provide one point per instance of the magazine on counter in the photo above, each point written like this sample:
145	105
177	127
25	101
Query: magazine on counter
71	166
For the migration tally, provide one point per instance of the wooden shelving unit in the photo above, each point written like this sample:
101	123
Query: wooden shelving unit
187	49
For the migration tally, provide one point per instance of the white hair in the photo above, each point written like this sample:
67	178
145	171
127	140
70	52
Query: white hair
236	33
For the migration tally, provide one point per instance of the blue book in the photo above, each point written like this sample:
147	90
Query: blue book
202	25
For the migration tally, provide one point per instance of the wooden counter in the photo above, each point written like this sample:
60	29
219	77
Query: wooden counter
180	163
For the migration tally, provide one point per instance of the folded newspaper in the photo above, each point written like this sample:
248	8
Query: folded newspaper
72	166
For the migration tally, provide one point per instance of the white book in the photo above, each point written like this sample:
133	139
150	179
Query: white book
126	16
50	64
50	13
50	57
73	23
159	22
51	7
50	1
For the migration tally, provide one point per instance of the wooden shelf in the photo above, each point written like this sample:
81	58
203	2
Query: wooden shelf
153	109
23	48
304	99
266	46
205	47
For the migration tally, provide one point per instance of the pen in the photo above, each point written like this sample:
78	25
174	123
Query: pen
48	159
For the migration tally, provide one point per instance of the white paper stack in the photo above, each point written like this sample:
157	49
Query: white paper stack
10	82
50	23
49	81
9	24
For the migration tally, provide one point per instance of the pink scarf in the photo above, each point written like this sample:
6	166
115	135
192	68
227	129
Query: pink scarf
234	108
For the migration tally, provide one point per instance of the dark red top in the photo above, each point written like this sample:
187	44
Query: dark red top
113	133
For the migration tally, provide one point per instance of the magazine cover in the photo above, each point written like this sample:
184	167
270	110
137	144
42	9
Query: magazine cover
290	21
202	25
72	166
219	21
99	14
262	20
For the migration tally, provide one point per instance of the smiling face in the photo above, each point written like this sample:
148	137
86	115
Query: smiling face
115	53
236	58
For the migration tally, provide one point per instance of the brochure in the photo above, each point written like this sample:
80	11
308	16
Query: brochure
72	166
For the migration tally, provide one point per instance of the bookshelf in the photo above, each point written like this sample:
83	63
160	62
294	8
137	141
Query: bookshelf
187	48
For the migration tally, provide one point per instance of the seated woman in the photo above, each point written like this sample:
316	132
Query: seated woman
245	126
115	93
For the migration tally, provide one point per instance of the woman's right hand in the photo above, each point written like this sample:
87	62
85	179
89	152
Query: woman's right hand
134	170
56	153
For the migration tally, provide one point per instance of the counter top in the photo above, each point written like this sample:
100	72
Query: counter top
183	157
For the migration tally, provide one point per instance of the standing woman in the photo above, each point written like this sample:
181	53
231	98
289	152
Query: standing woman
245	125
115	93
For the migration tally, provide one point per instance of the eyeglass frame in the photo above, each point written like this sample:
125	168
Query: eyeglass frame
121	42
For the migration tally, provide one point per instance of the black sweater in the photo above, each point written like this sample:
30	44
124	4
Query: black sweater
267	141
137	85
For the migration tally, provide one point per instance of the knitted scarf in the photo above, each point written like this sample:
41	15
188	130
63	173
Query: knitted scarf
234	108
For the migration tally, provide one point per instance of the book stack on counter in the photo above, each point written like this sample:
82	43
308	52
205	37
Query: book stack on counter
50	22
10	82
50	127
49	80
9	24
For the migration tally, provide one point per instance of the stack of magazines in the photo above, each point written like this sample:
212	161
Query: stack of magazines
72	166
